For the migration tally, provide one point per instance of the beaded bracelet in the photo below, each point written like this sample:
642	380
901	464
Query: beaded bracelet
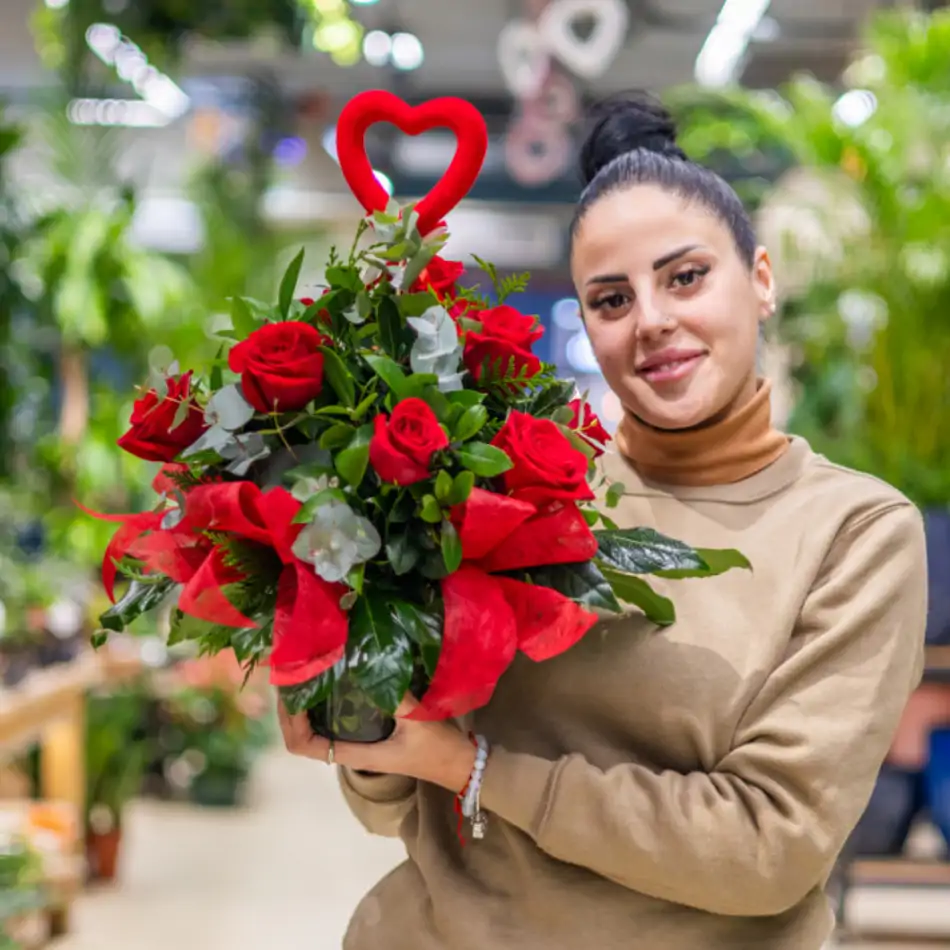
468	803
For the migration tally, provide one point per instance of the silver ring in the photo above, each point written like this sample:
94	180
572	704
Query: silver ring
331	754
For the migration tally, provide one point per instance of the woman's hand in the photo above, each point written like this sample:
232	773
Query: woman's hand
434	752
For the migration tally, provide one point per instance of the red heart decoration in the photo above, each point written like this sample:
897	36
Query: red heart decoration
377	105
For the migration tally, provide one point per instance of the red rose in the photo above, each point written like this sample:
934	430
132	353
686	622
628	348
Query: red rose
281	366
589	427
152	436
439	276
546	466
402	447
503	345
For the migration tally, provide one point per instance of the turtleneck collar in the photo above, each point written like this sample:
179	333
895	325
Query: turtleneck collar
728	451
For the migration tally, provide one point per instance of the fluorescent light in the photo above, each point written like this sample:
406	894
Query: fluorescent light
722	53
57	4
129	113
407	52
855	107
132	66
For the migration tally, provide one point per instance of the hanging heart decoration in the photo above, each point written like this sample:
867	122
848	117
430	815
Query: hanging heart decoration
557	99
537	150
523	57
457	115
590	56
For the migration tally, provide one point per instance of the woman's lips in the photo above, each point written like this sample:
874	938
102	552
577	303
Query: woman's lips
671	371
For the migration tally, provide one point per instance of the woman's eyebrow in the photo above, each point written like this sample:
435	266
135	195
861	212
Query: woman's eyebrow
661	262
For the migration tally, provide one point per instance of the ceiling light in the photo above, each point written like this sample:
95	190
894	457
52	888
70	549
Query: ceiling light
364	3
720	58
377	47
128	113
407	52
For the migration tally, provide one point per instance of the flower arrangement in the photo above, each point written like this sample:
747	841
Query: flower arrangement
382	489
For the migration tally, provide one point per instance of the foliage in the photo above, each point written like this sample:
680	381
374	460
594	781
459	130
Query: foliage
862	231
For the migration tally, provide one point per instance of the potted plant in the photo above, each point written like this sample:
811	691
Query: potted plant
117	750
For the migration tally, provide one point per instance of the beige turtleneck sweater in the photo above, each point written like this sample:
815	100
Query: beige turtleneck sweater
686	788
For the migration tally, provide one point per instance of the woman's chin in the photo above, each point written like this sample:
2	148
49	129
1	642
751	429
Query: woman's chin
685	412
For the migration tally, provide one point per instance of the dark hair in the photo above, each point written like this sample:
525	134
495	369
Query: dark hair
632	141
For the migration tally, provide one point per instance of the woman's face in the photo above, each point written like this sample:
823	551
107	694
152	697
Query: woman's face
672	310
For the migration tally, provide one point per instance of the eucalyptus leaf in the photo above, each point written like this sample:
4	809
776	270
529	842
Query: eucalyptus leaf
337	540
229	409
212	440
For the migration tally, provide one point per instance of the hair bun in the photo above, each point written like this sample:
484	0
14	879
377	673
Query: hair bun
622	124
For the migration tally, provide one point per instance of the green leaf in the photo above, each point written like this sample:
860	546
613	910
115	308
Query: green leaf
584	583
716	562
351	463
392	330
591	516
465	398
636	591
418	384
289	284
139	599
364	304
338	376
99	639
437	403
251	644
430	510
645	551
472	422
451	546
615	493
337	436
415	305
443	486
462	486
384	665
402	553
309	508
486	461
390	372
356	577
298	699
424	629
345	278
609	523
363	407
243	321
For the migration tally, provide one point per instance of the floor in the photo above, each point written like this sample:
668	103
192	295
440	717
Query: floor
286	872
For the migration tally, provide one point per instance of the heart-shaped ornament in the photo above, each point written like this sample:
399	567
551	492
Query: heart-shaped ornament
523	57
537	150
592	55
377	105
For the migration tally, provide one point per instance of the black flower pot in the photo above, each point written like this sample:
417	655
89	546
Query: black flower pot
350	715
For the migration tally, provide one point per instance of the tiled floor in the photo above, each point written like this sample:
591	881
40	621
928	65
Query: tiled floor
285	874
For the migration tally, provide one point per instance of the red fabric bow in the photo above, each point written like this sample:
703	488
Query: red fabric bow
310	628
489	618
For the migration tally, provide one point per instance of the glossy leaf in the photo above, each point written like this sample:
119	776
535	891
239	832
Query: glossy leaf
636	591
645	551
485	461
338	376
289	284
382	652
352	461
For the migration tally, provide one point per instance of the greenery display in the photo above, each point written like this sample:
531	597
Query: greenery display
862	226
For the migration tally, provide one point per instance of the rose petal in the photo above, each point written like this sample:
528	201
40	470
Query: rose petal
486	519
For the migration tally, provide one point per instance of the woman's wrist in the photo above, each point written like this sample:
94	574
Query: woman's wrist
454	769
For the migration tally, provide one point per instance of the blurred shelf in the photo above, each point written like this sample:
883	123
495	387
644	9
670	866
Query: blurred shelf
937	663
899	872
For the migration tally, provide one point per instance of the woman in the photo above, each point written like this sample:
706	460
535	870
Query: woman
686	788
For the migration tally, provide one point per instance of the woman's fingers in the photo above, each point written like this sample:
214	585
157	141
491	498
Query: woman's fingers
299	737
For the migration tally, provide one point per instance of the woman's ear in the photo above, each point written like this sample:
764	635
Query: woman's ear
764	282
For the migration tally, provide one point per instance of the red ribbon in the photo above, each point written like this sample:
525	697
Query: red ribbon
488	618
310	628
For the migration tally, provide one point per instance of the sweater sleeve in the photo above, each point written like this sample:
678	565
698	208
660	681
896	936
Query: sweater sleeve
379	802
757	833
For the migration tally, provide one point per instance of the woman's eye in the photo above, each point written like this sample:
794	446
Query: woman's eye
610	302
688	278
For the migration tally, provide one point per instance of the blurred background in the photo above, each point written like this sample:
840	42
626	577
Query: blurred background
159	156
